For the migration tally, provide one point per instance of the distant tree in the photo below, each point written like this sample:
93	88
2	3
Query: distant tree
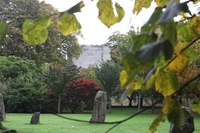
24	94
12	67
119	44
108	75
89	73
54	49
57	77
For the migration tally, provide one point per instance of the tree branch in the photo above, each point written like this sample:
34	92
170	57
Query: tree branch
190	44
186	84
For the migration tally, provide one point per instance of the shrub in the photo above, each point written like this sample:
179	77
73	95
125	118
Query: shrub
81	94
25	94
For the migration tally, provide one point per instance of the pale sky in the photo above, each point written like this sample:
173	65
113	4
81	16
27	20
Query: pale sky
96	33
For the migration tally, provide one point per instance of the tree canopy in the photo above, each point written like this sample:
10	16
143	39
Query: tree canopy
54	47
108	76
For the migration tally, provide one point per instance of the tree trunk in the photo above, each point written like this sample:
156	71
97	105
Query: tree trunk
59	103
109	102
152	106
139	102
130	101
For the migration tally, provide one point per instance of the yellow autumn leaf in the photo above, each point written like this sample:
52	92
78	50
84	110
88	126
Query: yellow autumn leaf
166	83
123	77
166	104
161	3
106	12
179	47
196	22
135	85
155	123
68	23
151	80
179	64
139	4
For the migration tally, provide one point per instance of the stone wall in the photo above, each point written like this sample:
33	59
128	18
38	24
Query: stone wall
92	55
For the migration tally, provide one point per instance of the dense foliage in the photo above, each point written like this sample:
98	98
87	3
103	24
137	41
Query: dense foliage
108	76
24	94
57	77
79	96
55	46
12	67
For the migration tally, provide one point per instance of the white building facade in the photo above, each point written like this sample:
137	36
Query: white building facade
92	55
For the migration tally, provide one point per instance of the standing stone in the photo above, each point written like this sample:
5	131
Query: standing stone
188	125
35	118
99	109
2	109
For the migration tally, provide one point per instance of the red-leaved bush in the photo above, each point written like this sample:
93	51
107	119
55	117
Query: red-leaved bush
81	94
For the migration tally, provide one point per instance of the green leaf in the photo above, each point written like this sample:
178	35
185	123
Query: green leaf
166	83
196	105
177	115
106	13
137	43
167	102
171	34
40	24
186	31
3	30
151	23
172	11
155	123
75	8
68	23
132	67
150	78
149	52
179	64
139	4
161	3
160	61
191	54
33	36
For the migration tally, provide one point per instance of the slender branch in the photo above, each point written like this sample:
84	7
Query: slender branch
180	89
191	43
119	122
186	84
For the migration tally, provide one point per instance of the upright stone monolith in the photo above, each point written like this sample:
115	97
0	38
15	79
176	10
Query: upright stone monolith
99	109
2	109
188	125
35	118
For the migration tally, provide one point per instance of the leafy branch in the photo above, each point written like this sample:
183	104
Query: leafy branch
190	44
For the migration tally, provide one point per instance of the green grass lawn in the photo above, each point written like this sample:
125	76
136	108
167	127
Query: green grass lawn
50	123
